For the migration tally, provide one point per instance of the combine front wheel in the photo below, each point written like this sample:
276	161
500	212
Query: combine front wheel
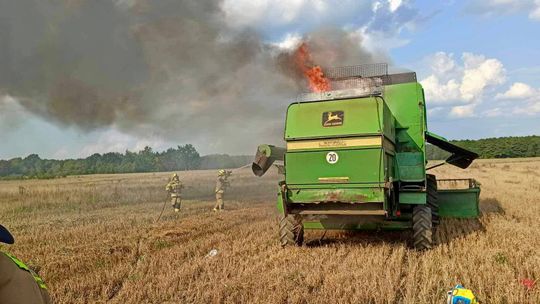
422	227
291	230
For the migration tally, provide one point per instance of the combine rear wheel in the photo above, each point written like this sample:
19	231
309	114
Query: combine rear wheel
432	199
291	230
422	227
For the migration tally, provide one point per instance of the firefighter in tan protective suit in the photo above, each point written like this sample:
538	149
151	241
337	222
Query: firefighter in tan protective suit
221	185
174	187
18	283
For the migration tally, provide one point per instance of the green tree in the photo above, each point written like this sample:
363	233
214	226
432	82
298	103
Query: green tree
189	156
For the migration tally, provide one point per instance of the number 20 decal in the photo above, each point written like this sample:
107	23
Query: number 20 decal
332	157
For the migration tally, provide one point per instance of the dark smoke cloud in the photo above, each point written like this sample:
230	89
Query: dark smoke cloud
168	68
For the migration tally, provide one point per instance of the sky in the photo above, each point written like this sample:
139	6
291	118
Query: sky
478	61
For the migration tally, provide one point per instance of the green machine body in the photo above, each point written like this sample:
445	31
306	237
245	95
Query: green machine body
355	158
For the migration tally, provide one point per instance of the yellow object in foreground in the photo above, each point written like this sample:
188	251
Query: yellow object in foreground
461	295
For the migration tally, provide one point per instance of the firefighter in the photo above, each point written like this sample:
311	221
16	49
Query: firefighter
174	187
18	283
221	185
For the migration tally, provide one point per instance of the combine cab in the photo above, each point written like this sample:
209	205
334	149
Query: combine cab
355	158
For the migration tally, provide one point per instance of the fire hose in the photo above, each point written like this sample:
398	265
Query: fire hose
162	209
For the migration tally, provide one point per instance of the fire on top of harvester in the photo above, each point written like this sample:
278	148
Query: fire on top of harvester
314	74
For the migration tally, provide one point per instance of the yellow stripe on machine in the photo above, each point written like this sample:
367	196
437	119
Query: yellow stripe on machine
340	179
335	143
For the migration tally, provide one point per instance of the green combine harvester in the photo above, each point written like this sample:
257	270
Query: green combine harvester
355	158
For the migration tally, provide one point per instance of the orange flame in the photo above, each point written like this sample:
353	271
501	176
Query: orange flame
314	73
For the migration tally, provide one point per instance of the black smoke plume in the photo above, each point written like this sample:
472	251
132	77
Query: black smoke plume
165	68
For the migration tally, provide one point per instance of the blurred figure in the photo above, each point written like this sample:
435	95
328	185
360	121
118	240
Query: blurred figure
174	187
221	185
18	283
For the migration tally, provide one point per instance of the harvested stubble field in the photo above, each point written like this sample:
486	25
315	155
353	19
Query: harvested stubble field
95	240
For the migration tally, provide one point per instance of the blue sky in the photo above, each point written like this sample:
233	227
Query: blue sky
507	37
479	62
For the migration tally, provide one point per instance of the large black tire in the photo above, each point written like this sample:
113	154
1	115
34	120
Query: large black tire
291	230
432	199
422	227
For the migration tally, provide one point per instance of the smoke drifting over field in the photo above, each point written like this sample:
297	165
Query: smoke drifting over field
170	69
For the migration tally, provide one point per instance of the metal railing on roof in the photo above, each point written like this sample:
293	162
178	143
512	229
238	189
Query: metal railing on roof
356	71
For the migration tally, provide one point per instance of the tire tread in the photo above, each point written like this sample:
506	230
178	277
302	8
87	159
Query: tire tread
291	230
422	227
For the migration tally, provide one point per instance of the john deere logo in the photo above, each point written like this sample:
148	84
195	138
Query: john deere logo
332	119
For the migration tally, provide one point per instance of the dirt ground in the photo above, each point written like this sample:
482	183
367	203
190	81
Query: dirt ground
94	239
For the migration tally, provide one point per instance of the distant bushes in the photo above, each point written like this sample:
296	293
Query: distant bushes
180	158
502	147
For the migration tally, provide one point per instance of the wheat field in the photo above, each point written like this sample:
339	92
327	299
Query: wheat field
95	240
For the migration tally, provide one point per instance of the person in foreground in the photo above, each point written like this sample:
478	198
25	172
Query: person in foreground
18	283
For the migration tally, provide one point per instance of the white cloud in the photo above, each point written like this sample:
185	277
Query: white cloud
518	90
520	99
383	19
467	83
534	107
376	6
395	4
463	111
462	88
472	86
479	74
535	14
442	63
290	42
501	7
530	108
379	42
392	5
439	92
494	112
378	23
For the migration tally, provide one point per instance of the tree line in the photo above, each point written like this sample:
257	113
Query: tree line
186	157
181	158
501	147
